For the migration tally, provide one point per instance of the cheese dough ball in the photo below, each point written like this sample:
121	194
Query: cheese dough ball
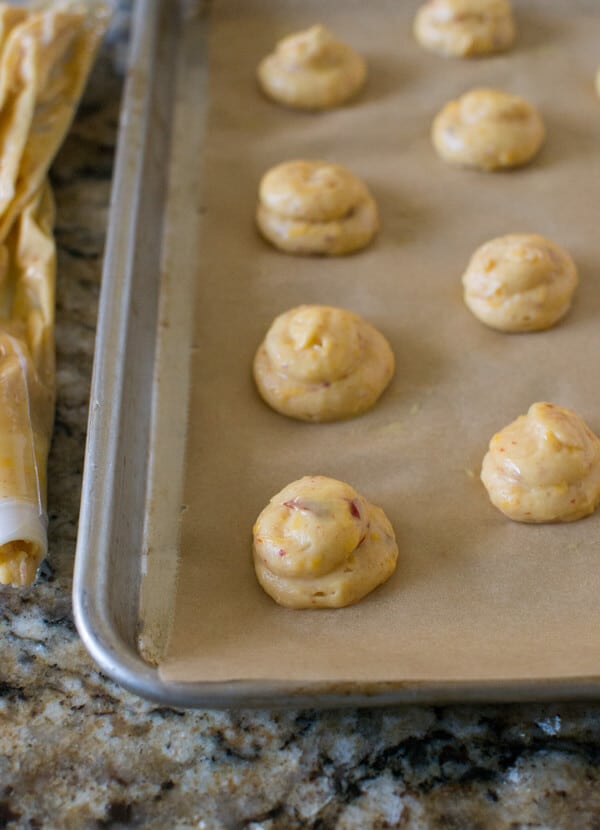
319	544
463	28
488	129
319	363
312	70
544	467
520	282
314	207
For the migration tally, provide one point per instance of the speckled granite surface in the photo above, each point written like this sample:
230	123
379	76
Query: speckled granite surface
76	751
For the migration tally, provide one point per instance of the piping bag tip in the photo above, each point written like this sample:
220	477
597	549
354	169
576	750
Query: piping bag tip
23	541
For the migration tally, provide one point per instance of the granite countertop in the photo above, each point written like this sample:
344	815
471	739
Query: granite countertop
77	751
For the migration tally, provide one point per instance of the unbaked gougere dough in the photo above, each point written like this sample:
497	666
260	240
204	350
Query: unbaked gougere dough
319	363
312	70
520	282
544	467
315	207
463	28
488	129
319	544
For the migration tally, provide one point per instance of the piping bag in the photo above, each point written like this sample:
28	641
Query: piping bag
46	52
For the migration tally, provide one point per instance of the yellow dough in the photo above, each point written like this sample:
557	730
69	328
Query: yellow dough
314	207
319	363
488	129
463	28
520	282
544	467
319	544
46	52
312	70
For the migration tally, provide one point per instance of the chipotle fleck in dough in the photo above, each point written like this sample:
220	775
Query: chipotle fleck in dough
319	363
488	129
544	467
314	207
463	28
319	544
312	70
520	282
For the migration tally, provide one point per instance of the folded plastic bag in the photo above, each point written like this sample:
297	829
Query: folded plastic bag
45	57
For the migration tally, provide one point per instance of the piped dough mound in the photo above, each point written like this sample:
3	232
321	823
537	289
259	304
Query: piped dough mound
488	129
315	207
520	282
312	70
319	363
464	28
544	467
319	544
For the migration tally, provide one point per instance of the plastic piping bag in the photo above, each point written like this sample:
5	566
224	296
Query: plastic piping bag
45	56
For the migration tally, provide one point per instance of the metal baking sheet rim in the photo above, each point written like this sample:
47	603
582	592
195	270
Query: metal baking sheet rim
94	576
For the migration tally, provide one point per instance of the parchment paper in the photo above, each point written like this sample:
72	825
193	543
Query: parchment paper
475	596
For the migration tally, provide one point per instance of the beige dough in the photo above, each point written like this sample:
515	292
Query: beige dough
463	28
488	129
598	82
319	544
314	207
319	363
544	467
520	282
312	70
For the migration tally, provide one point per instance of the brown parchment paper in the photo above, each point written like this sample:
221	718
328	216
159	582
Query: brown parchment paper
475	596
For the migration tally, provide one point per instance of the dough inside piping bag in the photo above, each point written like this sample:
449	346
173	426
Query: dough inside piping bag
46	53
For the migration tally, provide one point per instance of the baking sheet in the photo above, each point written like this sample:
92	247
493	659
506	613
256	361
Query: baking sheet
475	597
